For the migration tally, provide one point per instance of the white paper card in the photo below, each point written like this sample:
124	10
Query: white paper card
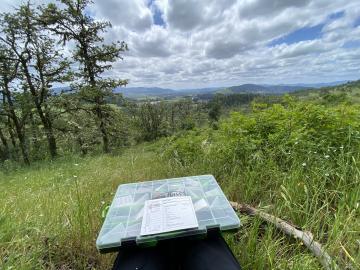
168	214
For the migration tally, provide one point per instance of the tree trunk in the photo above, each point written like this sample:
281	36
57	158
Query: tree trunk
89	70
52	142
24	149
15	120
11	134
12	137
34	132
103	131
5	144
45	120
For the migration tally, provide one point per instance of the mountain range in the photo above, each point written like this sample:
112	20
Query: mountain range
154	92
143	92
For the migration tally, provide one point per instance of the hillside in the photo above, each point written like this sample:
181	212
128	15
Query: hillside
306	172
349	92
158	92
263	89
143	92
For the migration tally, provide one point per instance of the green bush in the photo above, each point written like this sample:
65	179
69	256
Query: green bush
299	158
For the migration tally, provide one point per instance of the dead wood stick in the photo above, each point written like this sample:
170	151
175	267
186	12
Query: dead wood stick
306	237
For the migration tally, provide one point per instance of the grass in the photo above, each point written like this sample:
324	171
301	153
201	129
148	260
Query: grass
51	213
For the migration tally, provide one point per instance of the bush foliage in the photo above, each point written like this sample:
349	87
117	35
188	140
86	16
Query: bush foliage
300	159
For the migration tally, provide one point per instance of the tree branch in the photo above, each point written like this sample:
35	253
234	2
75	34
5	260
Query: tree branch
306	237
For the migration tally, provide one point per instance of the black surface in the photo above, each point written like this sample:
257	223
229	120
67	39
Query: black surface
181	254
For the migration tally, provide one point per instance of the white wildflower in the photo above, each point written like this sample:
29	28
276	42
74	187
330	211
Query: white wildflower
76	164
326	174
75	176
304	164
327	156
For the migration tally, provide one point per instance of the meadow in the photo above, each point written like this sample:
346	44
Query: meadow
298	161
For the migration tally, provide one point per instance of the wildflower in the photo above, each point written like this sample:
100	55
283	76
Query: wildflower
75	176
76	164
326	174
102	202
341	147
315	152
296	143
327	156
304	164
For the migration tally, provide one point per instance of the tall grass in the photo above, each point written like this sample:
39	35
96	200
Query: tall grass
50	213
299	162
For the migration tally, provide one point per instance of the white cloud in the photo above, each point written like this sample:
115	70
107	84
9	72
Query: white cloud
134	15
226	42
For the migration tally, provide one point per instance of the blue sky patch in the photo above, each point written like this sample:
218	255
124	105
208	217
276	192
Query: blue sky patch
156	13
357	22
305	33
337	15
352	44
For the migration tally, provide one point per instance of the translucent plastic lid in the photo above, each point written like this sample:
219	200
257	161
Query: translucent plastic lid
123	221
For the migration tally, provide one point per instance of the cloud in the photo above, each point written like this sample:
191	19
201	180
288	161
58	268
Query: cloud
302	48
132	14
255	8
194	43
222	49
184	15
154	43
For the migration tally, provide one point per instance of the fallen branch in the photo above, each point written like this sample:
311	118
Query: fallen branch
306	237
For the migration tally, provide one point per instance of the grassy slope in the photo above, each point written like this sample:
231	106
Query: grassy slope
51	214
352	90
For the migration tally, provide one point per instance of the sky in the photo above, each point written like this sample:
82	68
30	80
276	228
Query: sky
210	43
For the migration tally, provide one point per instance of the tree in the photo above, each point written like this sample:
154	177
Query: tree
214	111
5	151
152	120
40	62
72	23
8	73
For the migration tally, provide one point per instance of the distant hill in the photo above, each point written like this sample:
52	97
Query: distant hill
319	85
262	89
140	92
154	92
247	88
143	92
348	91
60	90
